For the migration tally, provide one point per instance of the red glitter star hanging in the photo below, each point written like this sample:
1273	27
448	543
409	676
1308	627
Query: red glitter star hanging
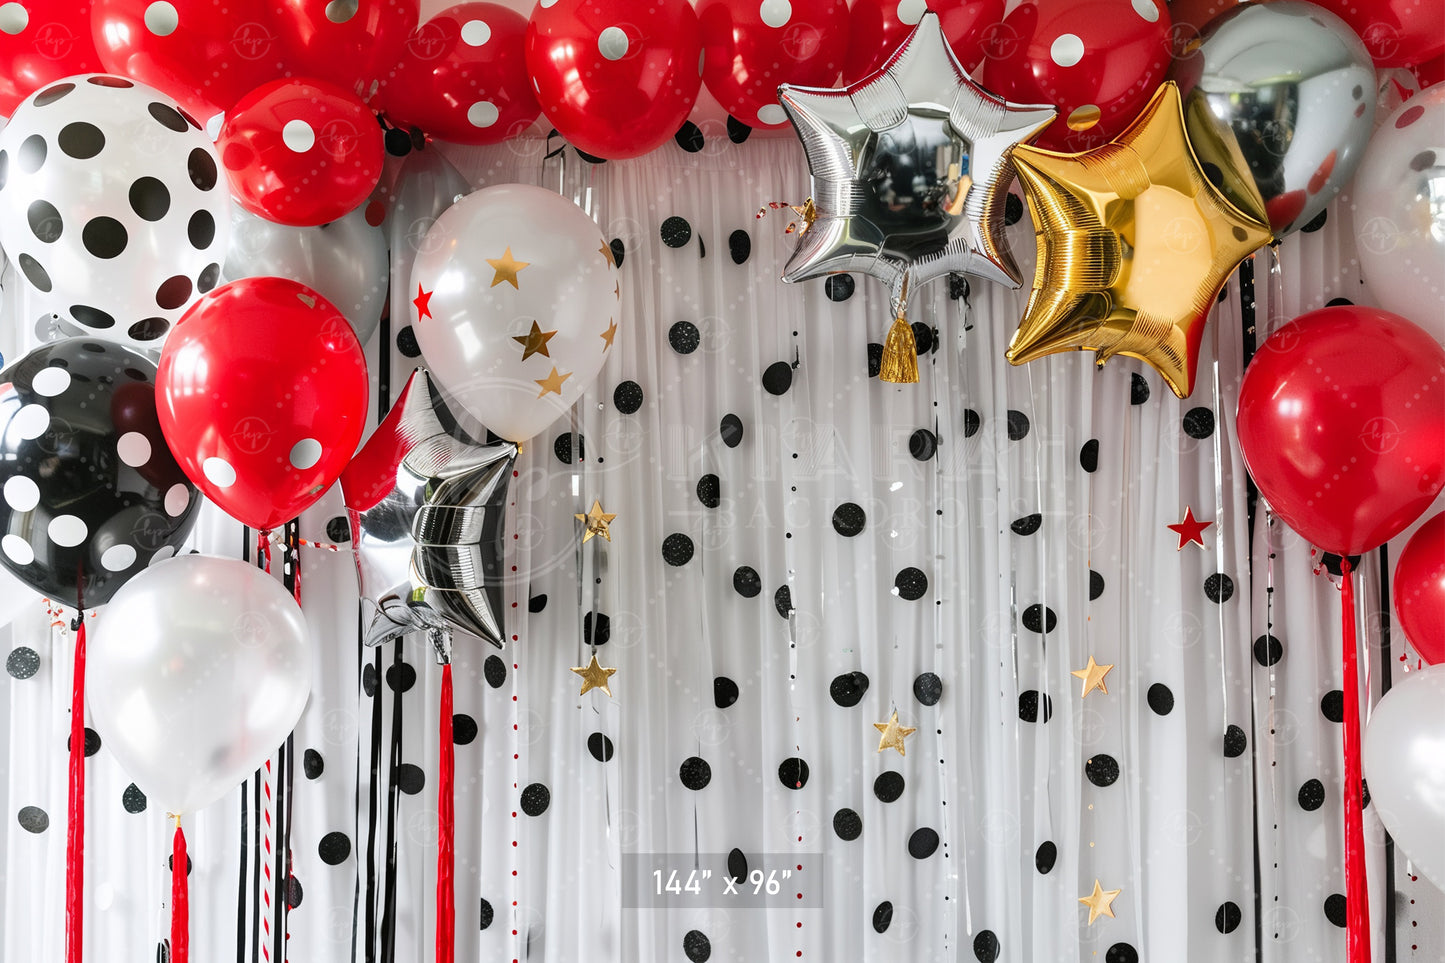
1190	530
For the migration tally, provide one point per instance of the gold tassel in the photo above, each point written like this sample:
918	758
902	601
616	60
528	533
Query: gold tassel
900	354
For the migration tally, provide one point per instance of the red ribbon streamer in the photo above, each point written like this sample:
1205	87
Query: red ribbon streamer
75	832
446	829
1357	893
180	899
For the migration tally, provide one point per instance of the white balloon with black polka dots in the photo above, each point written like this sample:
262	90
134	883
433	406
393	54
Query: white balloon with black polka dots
111	207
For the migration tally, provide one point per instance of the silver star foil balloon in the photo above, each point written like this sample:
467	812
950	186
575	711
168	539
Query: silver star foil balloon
910	170
427	505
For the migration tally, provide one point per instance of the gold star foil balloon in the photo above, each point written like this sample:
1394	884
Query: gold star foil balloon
1133	246
910	173
428	517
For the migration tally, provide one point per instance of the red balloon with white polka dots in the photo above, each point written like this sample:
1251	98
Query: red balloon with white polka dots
205	54
750	48
463	78
879	27
262	396
352	43
301	152
615	77
1097	61
42	41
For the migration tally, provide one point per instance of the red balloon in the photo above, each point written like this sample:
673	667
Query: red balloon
1398	33
616	78
1097	61
879	27
301	152
41	41
353	45
1430	73
262	396
749	49
205	54
1419	590
1342	425
463	77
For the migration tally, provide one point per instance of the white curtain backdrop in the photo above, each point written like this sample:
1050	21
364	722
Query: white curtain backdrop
799	552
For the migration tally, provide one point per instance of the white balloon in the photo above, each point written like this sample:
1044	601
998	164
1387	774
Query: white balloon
198	670
113	206
521	302
343	261
1404	757
1399	218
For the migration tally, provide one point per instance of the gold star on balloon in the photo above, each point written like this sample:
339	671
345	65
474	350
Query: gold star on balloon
552	384
534	341
1093	676
610	333
1099	901
606	251
1134	245
595	676
506	269
893	734
597	522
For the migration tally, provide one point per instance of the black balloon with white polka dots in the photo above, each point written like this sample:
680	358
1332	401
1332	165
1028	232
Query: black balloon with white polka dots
89	493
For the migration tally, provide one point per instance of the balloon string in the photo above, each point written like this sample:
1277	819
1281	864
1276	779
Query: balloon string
446	829
1357	898
75	832
180	899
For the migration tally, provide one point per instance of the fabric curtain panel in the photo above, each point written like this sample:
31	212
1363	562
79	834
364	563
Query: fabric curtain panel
800	551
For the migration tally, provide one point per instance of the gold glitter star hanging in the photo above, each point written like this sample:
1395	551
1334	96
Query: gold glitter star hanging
610	333
893	734
595	676
1098	901
534	341
552	384
597	521
1093	676
507	268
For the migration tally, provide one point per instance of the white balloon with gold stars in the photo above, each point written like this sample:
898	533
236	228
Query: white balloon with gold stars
516	303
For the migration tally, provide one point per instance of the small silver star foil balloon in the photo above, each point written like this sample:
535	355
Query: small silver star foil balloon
910	170
427	505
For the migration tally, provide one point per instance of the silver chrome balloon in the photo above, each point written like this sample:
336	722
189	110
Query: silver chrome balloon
426	186
343	261
428	514
910	169
1280	98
